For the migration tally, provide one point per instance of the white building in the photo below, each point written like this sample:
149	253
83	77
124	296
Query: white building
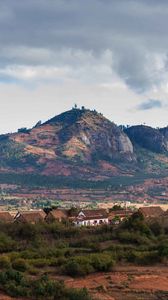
91	217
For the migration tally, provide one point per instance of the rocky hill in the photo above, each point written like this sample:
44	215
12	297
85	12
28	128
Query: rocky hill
83	144
149	138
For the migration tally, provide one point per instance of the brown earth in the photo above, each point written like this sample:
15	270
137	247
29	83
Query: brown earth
126	283
4	297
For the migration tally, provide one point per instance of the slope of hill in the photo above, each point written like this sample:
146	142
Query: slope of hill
77	142
83	144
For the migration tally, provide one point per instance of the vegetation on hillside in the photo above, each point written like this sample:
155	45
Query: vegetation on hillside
45	251
36	180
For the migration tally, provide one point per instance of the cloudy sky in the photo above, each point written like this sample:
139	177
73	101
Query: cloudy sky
108	55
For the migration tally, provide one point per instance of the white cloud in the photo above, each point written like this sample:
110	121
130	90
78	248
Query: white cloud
109	55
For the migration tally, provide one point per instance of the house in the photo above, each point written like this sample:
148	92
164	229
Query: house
57	215
117	216
5	217
31	217
151	211
92	217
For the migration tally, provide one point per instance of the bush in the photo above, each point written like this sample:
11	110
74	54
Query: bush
133	237
16	290
40	262
6	243
143	258
163	249
4	262
16	285
73	294
156	228
44	287
78	267
33	271
81	266
11	275
102	262
19	265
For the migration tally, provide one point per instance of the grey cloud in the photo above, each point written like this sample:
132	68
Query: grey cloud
150	104
40	32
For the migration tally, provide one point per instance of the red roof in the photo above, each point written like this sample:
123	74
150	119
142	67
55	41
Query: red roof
92	214
151	211
5	216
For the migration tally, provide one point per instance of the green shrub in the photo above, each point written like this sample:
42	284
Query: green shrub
143	258
102	262
73	294
16	290
132	237
40	262
20	265
33	271
78	267
44	287
6	243
4	262
11	275
163	249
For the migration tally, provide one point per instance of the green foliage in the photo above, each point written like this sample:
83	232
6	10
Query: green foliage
78	267
132	237
6	243
163	249
13	283
143	258
16	285
116	207
19	265
44	287
24	231
156	228
136	223
83	265
4	262
54	249
23	130
36	180
102	262
73	294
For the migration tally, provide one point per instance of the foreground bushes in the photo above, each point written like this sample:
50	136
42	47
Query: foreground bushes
16	285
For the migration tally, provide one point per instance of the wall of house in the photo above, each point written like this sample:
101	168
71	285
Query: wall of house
94	222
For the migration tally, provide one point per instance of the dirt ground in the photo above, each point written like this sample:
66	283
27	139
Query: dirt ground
4	297
126	283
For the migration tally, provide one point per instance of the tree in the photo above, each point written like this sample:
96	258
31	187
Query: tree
38	124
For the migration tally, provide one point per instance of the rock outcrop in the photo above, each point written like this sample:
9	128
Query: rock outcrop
150	138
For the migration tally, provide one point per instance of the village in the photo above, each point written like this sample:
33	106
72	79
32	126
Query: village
83	217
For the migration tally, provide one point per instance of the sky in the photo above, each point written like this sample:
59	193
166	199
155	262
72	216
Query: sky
108	55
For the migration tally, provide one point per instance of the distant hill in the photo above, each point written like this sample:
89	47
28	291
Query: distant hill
149	138
83	144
